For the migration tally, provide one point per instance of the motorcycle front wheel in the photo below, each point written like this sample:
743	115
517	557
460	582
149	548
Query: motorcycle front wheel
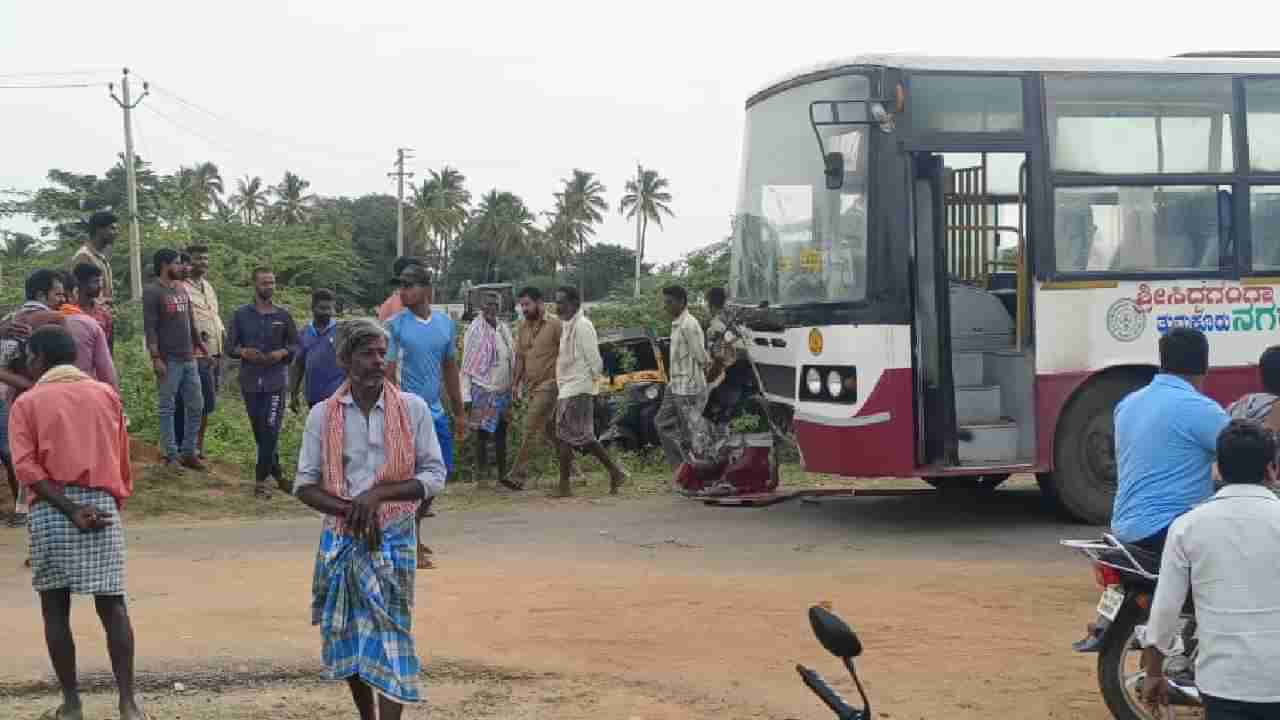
1120	670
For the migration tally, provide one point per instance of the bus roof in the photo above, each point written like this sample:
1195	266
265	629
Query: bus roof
1153	66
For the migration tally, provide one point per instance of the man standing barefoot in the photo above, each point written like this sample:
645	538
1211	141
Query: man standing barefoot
577	367
71	450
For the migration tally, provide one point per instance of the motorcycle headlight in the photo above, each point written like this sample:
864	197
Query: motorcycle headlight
651	392
813	382
835	384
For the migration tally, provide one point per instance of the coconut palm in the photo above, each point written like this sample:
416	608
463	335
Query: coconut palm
439	211
646	200
207	182
250	199
223	211
582	206
293	204
558	240
504	225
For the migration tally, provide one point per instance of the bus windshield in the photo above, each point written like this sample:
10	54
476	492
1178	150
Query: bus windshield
796	242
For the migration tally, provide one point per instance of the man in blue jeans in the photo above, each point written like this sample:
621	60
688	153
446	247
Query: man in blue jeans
1166	443
173	342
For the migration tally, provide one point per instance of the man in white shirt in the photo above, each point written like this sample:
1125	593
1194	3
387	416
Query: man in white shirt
1225	552
685	433
577	367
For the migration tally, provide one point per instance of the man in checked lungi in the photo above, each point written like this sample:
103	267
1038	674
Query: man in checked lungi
71	453
369	457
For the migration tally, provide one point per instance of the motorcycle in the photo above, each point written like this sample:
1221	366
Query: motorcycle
1127	575
843	643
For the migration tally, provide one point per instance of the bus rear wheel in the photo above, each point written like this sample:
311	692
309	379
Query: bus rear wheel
1083	482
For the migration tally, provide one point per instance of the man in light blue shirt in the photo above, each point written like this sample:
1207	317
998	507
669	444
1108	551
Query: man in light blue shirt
422	354
1166	440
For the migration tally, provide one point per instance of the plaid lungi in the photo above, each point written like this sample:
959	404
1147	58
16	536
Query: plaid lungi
575	420
487	407
63	557
363	603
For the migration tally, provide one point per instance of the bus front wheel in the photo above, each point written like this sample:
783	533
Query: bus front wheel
1083	481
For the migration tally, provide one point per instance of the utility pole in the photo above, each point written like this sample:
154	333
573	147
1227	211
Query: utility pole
400	175
135	237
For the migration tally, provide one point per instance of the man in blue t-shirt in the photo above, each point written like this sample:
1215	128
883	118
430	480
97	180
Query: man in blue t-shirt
1166	441
421	353
317	361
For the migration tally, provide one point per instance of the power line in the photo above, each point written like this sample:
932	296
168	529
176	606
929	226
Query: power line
55	86
55	73
260	135
189	131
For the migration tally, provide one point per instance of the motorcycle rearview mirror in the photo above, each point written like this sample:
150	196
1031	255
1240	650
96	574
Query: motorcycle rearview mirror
834	634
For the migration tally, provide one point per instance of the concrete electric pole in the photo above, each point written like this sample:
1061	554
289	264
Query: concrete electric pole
135	237
400	175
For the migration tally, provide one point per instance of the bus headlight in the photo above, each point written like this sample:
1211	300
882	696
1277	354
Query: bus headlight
813	382
835	384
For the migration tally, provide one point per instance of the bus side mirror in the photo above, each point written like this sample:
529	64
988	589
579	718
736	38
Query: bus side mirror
834	170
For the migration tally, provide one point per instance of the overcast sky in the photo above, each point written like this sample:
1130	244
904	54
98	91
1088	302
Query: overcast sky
514	94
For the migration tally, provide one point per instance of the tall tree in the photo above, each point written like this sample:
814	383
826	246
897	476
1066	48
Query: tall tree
208	184
440	208
582	206
646	200
558	240
250	199
293	203
504	224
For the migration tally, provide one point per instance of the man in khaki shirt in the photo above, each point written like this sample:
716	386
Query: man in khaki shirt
537	349
208	321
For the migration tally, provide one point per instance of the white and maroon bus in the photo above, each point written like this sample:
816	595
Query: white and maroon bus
953	268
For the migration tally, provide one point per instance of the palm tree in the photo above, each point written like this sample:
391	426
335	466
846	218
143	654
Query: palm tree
223	211
440	210
646	200
582	206
293	203
558	241
250	199
207	183
504	225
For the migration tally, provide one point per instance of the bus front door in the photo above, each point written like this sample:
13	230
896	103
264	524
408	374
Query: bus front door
936	441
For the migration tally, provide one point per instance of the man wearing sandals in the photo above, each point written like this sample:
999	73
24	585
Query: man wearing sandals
422	360
71	452
265	339
537	349
369	457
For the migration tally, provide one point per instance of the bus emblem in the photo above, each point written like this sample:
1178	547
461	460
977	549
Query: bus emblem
1125	320
815	341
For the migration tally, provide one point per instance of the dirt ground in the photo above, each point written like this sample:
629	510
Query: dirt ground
652	608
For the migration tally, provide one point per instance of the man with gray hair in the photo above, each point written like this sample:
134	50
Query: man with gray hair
369	457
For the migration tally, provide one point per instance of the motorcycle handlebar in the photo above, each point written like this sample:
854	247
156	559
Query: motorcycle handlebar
827	695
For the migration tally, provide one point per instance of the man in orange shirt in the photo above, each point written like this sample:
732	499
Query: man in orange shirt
71	452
